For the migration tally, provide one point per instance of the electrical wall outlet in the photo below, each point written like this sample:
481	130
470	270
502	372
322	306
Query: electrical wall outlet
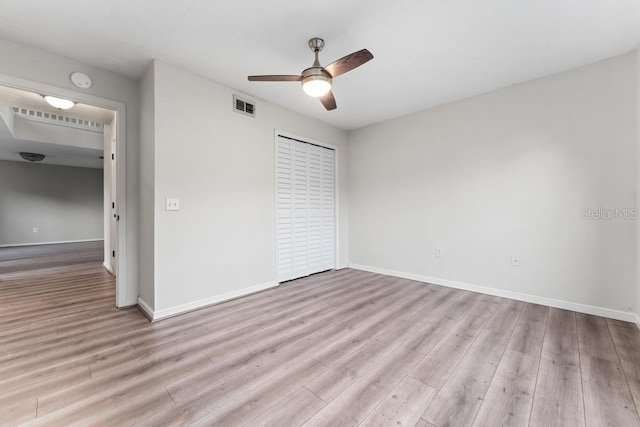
439	253
172	204
36	229
515	261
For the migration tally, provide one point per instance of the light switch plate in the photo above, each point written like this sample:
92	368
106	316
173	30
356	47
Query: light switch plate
172	204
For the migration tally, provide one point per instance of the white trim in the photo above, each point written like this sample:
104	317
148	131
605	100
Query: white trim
638	321
275	205
304	139
146	308
183	308
121	166
51	243
551	302
108	268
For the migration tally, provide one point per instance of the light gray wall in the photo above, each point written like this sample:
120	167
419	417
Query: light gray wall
53	134
64	203
507	173
39	66
221	165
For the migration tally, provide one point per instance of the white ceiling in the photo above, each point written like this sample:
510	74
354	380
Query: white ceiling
24	99
427	52
55	153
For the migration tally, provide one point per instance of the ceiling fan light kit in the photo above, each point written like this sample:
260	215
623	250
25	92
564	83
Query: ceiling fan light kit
317	80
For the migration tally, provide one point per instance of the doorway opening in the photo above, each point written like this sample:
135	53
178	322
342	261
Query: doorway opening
69	198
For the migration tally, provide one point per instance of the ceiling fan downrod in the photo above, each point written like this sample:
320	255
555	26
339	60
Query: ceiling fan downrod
316	44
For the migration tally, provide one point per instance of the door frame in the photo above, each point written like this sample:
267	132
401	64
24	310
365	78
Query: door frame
121	164
336	193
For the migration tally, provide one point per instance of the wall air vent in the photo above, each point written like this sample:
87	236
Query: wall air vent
243	106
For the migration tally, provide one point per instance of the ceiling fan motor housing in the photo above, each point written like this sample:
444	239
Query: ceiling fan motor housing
315	73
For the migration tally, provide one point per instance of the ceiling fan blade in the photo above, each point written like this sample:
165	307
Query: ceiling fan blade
329	101
349	62
275	78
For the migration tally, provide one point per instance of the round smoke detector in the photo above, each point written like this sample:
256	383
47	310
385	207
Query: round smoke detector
80	80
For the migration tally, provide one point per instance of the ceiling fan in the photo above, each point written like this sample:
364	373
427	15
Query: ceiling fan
316	80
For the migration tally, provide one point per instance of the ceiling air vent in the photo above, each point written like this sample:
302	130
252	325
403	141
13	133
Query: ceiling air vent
52	118
243	106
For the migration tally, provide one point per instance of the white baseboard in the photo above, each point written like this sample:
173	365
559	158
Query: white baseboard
146	308
155	315
551	302
50	243
109	269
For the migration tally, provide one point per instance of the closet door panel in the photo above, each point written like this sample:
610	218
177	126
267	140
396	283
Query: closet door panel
300	211
327	211
284	210
305	209
314	217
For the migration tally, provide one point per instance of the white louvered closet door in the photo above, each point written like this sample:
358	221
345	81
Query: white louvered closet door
305	203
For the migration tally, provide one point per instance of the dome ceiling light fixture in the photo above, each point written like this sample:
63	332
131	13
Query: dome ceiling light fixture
32	157
59	103
316	80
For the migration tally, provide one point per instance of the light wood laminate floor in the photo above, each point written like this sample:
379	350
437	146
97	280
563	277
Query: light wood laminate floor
334	349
